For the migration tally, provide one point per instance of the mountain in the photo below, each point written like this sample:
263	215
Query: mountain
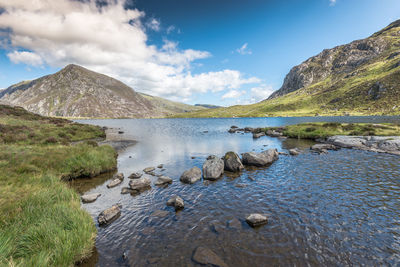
78	92
207	106
359	78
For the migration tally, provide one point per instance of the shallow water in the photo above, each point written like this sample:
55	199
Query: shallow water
340	208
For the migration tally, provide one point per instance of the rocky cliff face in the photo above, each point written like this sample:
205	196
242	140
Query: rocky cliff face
344	59
78	92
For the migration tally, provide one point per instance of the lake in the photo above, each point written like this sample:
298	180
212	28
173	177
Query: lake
340	208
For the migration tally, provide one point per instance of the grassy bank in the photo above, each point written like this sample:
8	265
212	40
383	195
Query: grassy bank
42	223
323	130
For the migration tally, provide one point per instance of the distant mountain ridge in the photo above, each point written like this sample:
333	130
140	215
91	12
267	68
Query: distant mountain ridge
359	78
77	92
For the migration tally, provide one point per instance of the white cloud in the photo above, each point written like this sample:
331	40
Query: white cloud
170	29
243	50
25	57
233	94
260	93
110	40
332	2
154	24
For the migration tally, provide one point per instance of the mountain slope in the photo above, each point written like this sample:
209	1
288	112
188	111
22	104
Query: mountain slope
78	92
361	78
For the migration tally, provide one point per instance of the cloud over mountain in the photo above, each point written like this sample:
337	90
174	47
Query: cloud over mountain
109	39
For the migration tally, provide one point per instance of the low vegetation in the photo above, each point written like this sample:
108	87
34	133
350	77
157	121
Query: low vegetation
323	130
42	223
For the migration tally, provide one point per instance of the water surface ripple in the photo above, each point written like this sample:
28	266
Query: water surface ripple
335	209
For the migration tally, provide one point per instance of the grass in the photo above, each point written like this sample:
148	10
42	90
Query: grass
323	130
42	223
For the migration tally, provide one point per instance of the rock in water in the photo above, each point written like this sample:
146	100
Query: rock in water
90	197
258	135
232	162
119	176
176	202
109	215
135	175
162	180
322	148
191	176
256	219
160	166
213	168
207	257
114	183
149	169
126	190
260	159
294	152
235	224
140	184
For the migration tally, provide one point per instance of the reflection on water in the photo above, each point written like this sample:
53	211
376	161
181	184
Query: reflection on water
341	208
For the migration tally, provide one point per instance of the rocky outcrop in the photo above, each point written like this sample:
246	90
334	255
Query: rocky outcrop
232	162
262	159
256	219
207	257
109	215
191	176
176	202
381	144
213	168
90	197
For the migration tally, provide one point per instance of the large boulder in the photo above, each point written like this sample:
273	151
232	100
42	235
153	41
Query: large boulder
140	184
260	159
89	198
191	176
176	202
232	162
205	256
109	215
213	168
256	219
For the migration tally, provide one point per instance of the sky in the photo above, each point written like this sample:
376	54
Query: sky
221	52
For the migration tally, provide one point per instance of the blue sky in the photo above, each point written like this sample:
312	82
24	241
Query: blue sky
218	52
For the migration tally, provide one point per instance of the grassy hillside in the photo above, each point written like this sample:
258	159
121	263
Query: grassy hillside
42	223
168	107
361	78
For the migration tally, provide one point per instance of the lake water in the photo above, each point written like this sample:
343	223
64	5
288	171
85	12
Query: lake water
335	209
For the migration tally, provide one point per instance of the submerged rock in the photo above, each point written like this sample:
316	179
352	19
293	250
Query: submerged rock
159	213
256	219
176	202
140	184
90	197
114	183
213	168
163	180
109	215
207	257
149	169
135	175
191	176
232	162
235	224
260	159
294	152
217	226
